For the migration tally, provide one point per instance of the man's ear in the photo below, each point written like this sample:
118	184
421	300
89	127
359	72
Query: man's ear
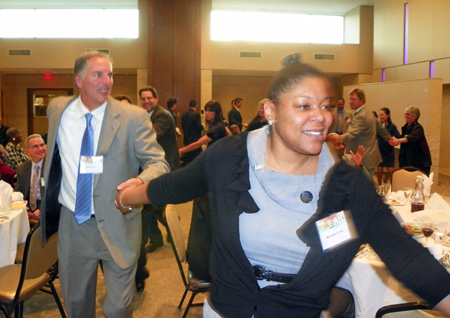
270	111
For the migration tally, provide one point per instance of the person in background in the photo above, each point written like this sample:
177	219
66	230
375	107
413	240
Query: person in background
386	150
354	159
363	130
14	151
172	107
3	137
234	115
192	130
414	150
268	258
164	126
216	130
343	117
95	143
260	119
124	98
30	176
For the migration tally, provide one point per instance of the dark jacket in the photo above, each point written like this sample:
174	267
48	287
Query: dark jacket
415	152
234	118
164	126
223	171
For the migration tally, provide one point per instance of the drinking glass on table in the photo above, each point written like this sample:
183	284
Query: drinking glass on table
387	190
427	230
440	235
407	192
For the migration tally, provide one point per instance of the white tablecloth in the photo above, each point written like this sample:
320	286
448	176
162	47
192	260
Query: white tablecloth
368	279
12	232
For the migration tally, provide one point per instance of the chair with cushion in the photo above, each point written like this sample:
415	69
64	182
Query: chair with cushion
405	177
179	249
21	281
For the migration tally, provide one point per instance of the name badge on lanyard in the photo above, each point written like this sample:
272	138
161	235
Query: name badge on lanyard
92	164
336	229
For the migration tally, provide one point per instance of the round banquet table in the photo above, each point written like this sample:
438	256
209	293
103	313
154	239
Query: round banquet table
13	231
368	279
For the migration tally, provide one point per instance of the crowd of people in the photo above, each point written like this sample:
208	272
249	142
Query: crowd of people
258	191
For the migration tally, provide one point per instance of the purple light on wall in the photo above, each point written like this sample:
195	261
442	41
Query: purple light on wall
405	39
431	69
383	75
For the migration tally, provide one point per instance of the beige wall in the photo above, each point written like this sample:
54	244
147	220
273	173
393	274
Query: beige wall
426	94
428	38
445	135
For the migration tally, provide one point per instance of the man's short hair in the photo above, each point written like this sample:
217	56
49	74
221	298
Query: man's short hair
80	65
32	137
171	102
193	103
123	97
149	89
340	99
237	100
358	92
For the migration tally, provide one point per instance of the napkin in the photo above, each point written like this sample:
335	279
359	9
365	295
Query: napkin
5	191
436	202
17	196
399	195
427	182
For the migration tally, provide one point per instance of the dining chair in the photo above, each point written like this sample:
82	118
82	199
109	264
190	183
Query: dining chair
397	308
405	177
191	284
37	270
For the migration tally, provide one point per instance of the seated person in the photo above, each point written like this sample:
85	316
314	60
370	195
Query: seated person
30	173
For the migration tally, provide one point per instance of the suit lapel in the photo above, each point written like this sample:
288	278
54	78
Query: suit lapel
108	131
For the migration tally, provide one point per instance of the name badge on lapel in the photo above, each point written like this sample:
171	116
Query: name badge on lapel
92	164
336	229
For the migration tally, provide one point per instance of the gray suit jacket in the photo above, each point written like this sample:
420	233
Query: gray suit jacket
363	130
24	179
127	142
348	116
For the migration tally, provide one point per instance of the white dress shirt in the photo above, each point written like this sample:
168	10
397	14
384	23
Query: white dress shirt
69	138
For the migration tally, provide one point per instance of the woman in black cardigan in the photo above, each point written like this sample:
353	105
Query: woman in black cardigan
268	255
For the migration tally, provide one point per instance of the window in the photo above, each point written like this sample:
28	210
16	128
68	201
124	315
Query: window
69	23
276	27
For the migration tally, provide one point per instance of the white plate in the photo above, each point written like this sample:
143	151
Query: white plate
395	202
447	242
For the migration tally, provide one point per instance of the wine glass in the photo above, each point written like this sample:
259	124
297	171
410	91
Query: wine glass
440	235
427	230
407	192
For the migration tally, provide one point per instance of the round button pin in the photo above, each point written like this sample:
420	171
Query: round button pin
306	196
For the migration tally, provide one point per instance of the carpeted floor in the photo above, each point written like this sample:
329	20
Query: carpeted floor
164	288
162	292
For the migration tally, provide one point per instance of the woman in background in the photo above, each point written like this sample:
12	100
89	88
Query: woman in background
15	155
414	150
260	119
386	150
217	130
267	257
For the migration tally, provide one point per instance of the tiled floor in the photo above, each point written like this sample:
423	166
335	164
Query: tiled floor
164	287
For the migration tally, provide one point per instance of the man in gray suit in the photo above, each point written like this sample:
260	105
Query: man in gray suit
363	130
35	149
91	228
341	118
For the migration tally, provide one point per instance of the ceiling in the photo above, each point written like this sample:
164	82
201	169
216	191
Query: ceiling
334	7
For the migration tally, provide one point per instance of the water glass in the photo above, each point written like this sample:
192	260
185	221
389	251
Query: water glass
387	189
407	192
440	235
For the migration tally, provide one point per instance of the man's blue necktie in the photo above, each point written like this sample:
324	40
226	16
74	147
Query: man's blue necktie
84	181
